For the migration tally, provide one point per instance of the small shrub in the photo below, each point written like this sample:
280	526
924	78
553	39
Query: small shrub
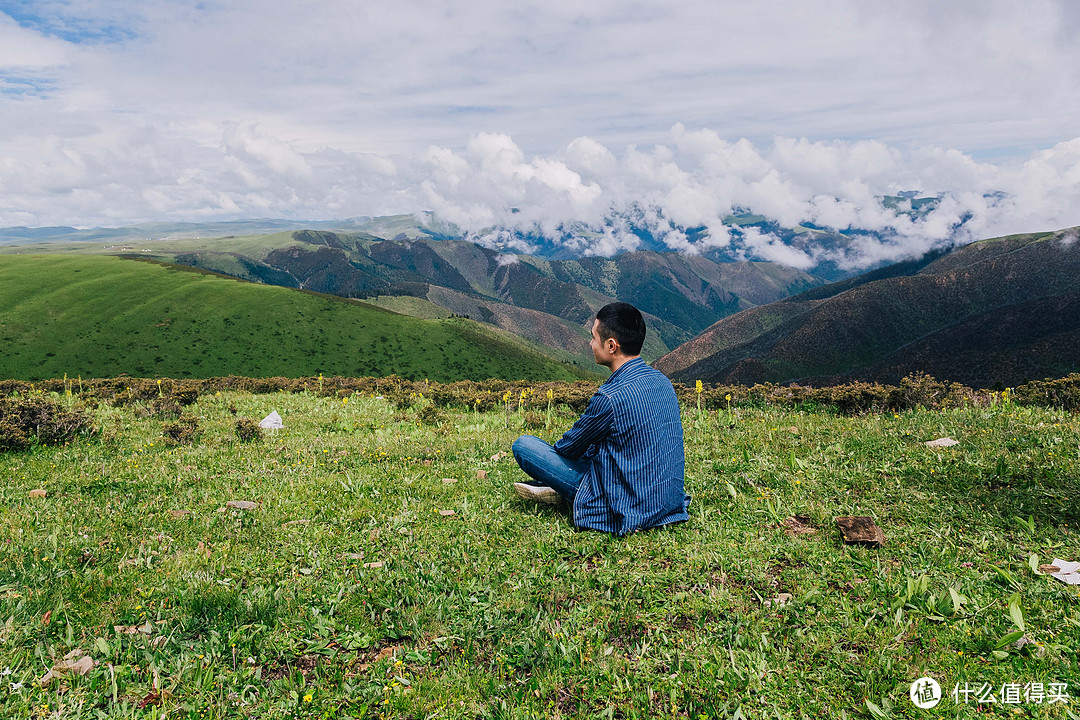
184	431
167	406
25	421
430	415
535	420
248	430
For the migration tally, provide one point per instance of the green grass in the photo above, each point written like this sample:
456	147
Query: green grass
502	610
103	316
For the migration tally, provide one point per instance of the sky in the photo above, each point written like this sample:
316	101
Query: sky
547	115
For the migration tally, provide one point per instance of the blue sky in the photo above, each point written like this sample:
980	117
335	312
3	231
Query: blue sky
114	111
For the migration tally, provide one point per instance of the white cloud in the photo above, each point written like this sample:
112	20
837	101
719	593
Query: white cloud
560	117
24	49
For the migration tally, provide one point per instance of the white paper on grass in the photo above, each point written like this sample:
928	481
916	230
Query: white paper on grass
1069	572
272	421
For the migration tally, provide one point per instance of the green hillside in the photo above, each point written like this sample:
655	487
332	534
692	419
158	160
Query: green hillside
104	316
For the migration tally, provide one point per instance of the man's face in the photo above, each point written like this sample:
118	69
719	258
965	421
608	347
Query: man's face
603	350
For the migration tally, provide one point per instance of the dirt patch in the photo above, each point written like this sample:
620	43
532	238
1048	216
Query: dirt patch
798	525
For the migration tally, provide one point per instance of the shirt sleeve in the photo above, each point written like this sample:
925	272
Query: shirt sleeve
592	427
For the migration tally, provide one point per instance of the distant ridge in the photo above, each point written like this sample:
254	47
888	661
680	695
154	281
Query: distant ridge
996	312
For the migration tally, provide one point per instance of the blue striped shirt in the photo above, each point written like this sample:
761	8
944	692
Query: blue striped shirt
633	433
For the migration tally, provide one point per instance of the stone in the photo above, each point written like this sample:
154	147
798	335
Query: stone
449	481
860	530
37	492
943	442
779	601
272	421
481	474
242	505
447	513
1067	572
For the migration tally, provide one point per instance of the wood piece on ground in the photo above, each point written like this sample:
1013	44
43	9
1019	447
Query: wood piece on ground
447	513
76	662
388	651
37	492
146	628
374	565
860	530
449	481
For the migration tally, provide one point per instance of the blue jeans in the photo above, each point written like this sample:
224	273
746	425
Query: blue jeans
546	467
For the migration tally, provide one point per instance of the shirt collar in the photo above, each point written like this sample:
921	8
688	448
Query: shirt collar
636	361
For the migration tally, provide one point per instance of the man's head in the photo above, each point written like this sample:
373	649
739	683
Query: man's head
617	335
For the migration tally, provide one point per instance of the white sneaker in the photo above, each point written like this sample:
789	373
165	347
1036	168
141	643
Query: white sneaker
538	493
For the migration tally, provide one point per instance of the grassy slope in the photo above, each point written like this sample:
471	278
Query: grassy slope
502	609
105	316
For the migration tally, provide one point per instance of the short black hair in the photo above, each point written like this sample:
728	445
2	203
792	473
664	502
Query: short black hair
623	322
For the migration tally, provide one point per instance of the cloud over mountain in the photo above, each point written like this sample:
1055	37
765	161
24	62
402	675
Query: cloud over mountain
584	195
581	122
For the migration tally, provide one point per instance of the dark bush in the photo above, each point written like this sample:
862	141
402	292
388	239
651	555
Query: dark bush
40	420
918	390
431	415
248	430
184	431
1062	393
167	406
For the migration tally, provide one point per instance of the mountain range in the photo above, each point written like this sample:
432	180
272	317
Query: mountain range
996	312
548	302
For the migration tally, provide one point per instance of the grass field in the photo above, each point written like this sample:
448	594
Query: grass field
104	316
364	584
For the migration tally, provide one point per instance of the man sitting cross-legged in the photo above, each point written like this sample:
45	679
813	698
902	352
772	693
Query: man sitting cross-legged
620	467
